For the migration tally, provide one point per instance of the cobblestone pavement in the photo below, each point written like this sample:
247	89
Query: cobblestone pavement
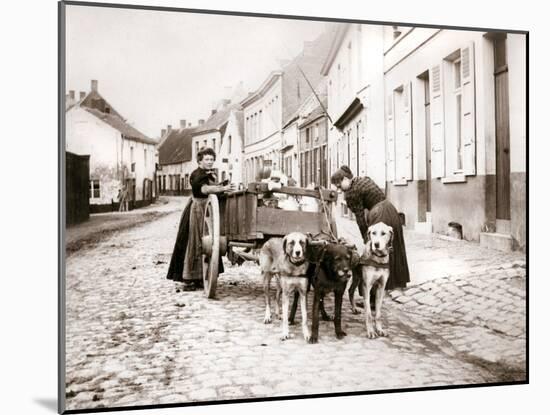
132	340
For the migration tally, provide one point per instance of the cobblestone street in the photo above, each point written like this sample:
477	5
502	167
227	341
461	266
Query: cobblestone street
132	340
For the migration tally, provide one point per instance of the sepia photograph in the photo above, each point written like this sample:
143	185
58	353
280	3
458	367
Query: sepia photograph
265	207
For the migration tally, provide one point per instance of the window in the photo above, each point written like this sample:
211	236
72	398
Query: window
307	135
186	181
145	157
214	144
229	145
316	132
452	126
458	113
260	124
94	189
205	143
132	163
196	148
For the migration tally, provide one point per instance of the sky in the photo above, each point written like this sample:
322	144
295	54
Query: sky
156	68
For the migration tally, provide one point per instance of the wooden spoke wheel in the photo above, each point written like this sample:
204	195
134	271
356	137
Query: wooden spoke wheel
211	245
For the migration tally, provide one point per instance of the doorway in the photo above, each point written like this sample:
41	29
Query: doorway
502	124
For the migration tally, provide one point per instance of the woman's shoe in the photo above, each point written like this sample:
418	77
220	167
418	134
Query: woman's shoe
188	286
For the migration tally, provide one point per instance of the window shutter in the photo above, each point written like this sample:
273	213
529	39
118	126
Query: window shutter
390	134
468	110
437	119
407	132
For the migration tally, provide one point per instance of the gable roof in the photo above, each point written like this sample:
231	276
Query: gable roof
98	106
177	147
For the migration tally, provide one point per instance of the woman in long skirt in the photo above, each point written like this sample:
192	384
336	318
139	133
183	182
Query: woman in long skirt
361	194
186	263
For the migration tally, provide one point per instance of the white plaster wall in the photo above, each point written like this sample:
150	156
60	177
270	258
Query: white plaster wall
431	46
517	77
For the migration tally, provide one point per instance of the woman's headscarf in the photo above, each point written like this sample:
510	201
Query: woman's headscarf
338	175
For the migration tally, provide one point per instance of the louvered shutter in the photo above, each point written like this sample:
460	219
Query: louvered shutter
468	110
407	164
437	121
390	133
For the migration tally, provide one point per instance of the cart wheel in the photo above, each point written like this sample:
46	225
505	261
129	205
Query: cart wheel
211	246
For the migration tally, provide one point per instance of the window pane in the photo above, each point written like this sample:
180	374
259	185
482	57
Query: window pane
459	131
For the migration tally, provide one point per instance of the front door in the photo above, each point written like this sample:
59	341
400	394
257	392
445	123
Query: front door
502	121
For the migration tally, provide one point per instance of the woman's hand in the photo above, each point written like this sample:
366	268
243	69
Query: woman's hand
229	188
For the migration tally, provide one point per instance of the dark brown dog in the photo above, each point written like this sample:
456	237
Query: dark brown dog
329	271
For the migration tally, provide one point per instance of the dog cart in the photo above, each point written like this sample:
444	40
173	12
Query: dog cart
247	219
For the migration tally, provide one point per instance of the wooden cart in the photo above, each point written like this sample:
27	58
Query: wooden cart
242	220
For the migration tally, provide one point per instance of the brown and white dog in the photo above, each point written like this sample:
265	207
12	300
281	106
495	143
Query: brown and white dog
373	273
286	259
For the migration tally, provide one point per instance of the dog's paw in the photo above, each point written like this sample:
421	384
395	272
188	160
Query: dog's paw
313	340
327	317
371	334
340	335
381	332
307	338
267	319
291	322
285	336
355	311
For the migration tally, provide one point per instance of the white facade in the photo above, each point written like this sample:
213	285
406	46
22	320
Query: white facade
112	156
231	151
355	86
262	127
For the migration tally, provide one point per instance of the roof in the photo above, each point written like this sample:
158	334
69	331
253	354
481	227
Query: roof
177	147
303	74
96	105
122	126
340	32
217	120
313	115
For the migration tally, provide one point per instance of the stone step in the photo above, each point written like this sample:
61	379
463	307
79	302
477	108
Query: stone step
503	226
499	241
423	227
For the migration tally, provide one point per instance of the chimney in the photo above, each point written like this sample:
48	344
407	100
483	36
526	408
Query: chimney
71	95
183	123
82	95
169	128
201	122
94	85
214	111
162	132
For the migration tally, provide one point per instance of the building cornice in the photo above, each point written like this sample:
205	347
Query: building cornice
260	92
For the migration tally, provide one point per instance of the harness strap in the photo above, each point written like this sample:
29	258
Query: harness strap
370	262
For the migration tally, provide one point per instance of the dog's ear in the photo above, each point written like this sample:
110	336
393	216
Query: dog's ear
390	242
284	245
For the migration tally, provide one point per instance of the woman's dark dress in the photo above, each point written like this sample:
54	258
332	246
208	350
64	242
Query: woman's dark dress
363	194
186	262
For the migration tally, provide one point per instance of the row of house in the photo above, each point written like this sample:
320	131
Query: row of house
223	131
121	159
436	117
